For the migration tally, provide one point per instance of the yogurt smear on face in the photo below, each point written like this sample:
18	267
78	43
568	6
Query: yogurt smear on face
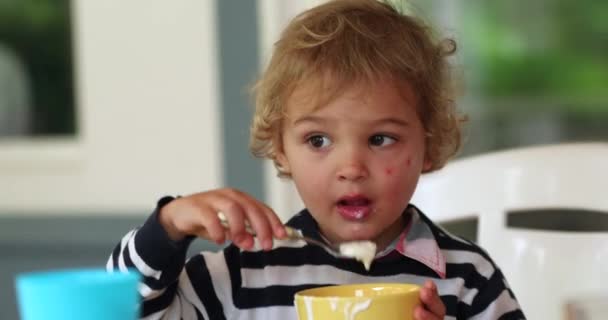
363	251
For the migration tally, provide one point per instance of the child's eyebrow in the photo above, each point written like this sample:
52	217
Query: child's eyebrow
375	122
393	121
305	119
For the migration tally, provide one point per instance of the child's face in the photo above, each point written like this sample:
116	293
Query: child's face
356	160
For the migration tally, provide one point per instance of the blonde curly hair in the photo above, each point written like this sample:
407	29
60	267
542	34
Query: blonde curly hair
350	41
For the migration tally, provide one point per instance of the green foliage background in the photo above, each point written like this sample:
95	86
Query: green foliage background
39	32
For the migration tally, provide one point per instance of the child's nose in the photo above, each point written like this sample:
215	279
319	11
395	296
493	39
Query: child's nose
352	172
352	166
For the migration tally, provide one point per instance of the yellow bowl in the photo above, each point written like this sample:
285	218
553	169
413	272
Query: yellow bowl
371	301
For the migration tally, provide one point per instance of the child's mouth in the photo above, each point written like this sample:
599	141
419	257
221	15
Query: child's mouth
355	207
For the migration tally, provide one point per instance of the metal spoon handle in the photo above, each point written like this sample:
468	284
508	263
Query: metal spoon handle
292	234
364	256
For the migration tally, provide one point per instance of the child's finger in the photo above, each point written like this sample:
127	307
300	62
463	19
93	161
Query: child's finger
257	219
233	213
430	299
209	226
244	212
253	215
422	314
259	222
276	224
233	210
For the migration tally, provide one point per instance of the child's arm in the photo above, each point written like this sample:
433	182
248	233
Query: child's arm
494	300
158	259
158	249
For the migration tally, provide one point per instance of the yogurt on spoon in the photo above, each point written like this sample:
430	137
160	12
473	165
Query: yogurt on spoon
363	251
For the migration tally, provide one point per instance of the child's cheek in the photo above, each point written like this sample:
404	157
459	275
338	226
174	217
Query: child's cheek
390	170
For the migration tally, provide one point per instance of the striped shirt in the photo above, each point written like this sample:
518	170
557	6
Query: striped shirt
256	284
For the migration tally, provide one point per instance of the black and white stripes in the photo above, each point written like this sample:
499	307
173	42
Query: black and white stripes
233	284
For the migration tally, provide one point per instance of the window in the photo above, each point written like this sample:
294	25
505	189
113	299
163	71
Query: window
36	69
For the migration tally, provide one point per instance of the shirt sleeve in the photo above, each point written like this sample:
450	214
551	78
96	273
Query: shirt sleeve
495	300
160	261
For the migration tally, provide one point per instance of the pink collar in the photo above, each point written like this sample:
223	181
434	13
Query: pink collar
418	242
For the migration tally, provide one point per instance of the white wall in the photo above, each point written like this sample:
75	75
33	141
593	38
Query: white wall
147	102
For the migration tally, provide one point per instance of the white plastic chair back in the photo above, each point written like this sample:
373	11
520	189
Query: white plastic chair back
544	268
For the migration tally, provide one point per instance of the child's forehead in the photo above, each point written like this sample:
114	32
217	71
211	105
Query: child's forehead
309	96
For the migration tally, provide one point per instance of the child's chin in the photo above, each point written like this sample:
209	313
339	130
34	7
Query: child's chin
359	234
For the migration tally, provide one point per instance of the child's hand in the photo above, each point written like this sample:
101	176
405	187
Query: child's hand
197	215
432	307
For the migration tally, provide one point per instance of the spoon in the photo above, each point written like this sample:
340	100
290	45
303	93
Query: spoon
363	251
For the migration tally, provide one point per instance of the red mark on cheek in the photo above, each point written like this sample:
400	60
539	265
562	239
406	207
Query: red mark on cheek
389	171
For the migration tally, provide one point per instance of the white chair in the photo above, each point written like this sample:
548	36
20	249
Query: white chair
544	268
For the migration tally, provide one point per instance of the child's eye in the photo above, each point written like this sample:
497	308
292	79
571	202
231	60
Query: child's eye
379	140
319	141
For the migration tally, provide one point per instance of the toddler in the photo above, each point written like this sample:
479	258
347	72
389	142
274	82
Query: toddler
353	107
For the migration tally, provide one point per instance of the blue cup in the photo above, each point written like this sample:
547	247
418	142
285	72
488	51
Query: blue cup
84	294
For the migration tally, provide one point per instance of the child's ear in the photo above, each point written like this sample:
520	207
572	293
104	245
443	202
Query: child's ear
427	164
282	161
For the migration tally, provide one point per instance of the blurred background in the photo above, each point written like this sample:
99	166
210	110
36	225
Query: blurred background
105	106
